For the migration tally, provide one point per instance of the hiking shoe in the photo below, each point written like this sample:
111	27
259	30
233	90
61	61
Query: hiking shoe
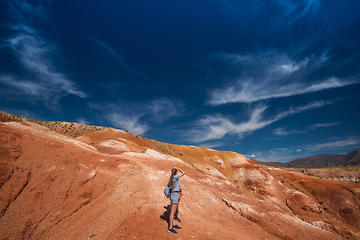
172	231
177	227
178	218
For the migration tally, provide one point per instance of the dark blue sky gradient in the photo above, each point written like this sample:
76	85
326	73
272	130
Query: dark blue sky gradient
274	80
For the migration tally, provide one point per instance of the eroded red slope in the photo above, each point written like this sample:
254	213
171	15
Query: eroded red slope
108	184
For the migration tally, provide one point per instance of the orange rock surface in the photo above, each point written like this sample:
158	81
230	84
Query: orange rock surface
102	183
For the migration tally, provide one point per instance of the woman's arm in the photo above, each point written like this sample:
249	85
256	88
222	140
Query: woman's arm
182	172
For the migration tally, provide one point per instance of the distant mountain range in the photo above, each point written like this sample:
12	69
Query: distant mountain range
351	159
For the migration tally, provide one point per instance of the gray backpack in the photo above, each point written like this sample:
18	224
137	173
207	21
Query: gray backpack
167	192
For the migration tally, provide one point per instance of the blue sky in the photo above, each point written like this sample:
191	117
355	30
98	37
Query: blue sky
274	80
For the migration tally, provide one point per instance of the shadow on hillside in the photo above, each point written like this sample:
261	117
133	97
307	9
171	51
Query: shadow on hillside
166	214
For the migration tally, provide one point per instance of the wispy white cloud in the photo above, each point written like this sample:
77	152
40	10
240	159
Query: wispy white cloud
257	155
288	12
211	145
293	11
270	74
163	108
307	107
82	120
139	118
217	126
333	145
322	125
213	127
291	153
284	132
39	78
23	12
274	155
130	122
25	87
123	116
120	59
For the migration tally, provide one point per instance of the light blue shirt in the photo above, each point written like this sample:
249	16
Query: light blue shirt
176	183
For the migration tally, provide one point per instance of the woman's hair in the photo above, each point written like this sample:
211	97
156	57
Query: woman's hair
173	173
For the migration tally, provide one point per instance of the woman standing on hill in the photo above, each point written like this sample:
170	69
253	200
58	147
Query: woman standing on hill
174	185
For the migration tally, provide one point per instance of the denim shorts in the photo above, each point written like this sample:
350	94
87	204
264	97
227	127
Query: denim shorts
174	197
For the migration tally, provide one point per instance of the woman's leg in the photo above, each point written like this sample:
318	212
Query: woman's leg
172	213
177	209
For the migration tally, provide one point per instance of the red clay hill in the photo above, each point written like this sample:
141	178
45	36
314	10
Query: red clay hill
63	180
